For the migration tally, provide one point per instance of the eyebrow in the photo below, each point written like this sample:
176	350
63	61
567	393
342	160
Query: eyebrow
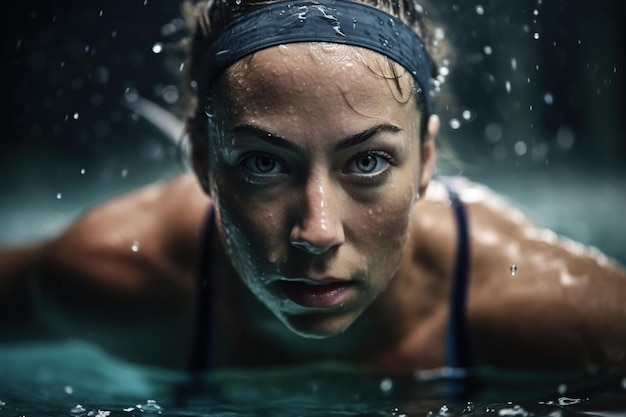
345	143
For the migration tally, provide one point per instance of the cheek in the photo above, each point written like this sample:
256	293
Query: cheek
382	231
248	228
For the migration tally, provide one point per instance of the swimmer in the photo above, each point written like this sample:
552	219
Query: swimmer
314	228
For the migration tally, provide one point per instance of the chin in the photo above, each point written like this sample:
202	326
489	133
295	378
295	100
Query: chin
318	325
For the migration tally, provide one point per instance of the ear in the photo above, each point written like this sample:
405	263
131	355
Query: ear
429	153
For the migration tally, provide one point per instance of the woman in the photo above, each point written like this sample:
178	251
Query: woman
318	232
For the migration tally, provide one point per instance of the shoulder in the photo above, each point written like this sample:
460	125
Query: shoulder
136	241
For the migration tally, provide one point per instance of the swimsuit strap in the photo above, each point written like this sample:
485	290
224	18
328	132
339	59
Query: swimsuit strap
203	349
457	339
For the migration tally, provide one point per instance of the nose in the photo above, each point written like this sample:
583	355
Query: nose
318	227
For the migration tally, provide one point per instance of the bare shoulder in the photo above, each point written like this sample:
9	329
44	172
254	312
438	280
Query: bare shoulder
141	240
533	292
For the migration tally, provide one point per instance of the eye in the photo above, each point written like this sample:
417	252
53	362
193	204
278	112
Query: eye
370	163
262	164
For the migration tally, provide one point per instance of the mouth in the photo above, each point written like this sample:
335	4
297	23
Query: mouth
324	294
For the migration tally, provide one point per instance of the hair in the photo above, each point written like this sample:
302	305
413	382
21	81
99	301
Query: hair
206	18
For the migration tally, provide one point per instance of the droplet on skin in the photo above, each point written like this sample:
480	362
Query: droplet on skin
135	246
513	270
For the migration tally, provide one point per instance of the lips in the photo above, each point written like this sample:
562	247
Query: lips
314	295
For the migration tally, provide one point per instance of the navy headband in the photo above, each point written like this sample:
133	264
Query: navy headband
337	21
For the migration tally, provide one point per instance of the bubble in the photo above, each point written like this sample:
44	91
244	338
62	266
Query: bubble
386	385
157	48
455	124
493	132
59	196
565	138
548	98
135	246
480	10
520	148
513	270
170	94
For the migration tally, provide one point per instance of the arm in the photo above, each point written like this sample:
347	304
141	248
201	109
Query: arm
95	271
564	306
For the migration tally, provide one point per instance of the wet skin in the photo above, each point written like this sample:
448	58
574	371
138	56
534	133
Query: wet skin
316	165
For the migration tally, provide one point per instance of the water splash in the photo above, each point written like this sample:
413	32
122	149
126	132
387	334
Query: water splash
78	410
150	407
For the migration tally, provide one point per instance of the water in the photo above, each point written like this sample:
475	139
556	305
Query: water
72	378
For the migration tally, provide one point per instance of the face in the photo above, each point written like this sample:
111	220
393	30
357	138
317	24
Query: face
315	167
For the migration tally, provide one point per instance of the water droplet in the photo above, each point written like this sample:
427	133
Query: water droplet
455	124
562	389
507	86
480	10
520	149
78	410
59	196
536	35
76	116
69	390
513	269
157	48
624	383
150	406
564	401
548	98
82	171
135	246
386	385
124	173
487	49
467	114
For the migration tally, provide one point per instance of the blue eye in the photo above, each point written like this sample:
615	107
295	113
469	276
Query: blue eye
263	164
370	163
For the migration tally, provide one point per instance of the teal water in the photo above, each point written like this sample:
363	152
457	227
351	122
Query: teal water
73	378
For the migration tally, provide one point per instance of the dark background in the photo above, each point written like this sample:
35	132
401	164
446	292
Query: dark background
543	82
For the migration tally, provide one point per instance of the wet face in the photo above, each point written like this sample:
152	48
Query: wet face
315	168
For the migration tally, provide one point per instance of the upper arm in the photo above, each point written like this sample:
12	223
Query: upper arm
540	299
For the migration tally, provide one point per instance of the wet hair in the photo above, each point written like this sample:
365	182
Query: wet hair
205	19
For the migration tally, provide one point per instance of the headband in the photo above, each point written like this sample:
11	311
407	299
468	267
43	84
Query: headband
337	21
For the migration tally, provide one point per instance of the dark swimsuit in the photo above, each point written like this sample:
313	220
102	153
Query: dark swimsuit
458	354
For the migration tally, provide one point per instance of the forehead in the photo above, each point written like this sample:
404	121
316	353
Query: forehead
317	77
